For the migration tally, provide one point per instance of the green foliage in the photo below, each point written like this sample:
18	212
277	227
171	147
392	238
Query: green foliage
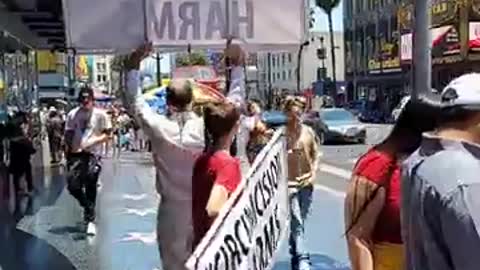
192	59
327	5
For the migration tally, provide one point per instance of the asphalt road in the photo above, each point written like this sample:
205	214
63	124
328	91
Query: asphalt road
44	232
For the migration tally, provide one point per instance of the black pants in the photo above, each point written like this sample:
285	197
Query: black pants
20	171
55	147
83	172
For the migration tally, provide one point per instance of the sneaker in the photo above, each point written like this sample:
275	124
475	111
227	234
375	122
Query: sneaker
91	229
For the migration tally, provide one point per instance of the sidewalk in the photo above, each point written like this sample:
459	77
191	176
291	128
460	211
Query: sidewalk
45	233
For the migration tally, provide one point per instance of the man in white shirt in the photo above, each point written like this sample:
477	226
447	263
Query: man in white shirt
177	140
86	129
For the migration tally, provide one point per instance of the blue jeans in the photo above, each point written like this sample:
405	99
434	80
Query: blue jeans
300	204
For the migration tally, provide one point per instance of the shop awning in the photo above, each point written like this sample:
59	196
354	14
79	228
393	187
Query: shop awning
474	36
438	35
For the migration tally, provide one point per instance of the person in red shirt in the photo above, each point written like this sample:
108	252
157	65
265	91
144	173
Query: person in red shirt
216	174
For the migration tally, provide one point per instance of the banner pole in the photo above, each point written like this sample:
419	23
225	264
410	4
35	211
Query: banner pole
145	23
228	42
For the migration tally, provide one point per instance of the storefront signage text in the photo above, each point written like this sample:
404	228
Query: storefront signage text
387	65
443	11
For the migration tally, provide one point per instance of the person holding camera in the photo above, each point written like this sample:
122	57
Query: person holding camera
86	130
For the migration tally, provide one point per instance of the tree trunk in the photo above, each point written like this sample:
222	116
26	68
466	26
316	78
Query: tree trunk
332	51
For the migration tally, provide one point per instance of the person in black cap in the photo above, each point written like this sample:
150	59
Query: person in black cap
86	129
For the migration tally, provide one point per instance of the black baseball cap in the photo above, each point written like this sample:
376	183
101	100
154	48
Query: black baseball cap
85	93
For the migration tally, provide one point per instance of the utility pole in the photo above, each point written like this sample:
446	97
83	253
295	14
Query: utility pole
422	50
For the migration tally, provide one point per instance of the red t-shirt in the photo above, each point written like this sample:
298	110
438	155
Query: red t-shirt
218	168
382	169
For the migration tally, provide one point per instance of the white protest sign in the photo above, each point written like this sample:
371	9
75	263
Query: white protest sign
104	25
203	23
119	25
248	232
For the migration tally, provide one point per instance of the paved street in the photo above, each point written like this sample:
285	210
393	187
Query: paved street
45	233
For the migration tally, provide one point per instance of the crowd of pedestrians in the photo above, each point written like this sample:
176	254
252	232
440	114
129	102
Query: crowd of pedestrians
409	205
208	152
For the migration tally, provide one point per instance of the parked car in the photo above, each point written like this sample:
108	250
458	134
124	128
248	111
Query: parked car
274	119
333	124
356	106
338	124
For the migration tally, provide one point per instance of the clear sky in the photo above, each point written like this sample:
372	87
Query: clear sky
321	21
321	24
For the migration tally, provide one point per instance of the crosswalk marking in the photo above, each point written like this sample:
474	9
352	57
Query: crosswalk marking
336	171
334	192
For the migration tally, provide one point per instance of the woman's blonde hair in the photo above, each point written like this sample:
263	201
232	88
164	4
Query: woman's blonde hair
293	101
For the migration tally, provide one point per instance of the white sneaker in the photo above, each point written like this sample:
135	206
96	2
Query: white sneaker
91	229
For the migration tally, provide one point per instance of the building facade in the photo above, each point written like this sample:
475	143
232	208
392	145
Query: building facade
372	51
101	73
378	46
280	68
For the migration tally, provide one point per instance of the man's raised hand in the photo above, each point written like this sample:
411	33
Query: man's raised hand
133	60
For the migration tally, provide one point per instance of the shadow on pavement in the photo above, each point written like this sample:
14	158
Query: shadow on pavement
23	251
66	230
319	262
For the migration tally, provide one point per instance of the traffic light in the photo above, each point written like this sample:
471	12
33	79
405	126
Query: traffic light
321	54
311	21
321	74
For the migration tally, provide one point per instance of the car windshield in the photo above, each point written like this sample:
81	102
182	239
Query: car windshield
337	115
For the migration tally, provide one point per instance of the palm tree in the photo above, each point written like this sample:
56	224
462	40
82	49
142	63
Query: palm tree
192	59
328	6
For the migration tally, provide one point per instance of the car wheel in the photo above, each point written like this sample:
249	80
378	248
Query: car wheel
321	137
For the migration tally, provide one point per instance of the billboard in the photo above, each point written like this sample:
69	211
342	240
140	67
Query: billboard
46	61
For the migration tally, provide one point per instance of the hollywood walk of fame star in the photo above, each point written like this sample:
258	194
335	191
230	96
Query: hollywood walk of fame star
134	197
139	212
146	238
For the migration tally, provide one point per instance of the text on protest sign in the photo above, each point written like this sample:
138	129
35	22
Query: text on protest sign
177	20
249	231
175	24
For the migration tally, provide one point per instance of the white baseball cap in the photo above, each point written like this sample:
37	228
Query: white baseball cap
463	91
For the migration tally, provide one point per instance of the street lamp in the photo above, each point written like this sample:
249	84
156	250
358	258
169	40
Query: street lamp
299	62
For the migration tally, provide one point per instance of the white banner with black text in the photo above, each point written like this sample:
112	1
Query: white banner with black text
248	232
120	25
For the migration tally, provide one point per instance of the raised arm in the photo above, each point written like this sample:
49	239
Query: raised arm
237	93
150	121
